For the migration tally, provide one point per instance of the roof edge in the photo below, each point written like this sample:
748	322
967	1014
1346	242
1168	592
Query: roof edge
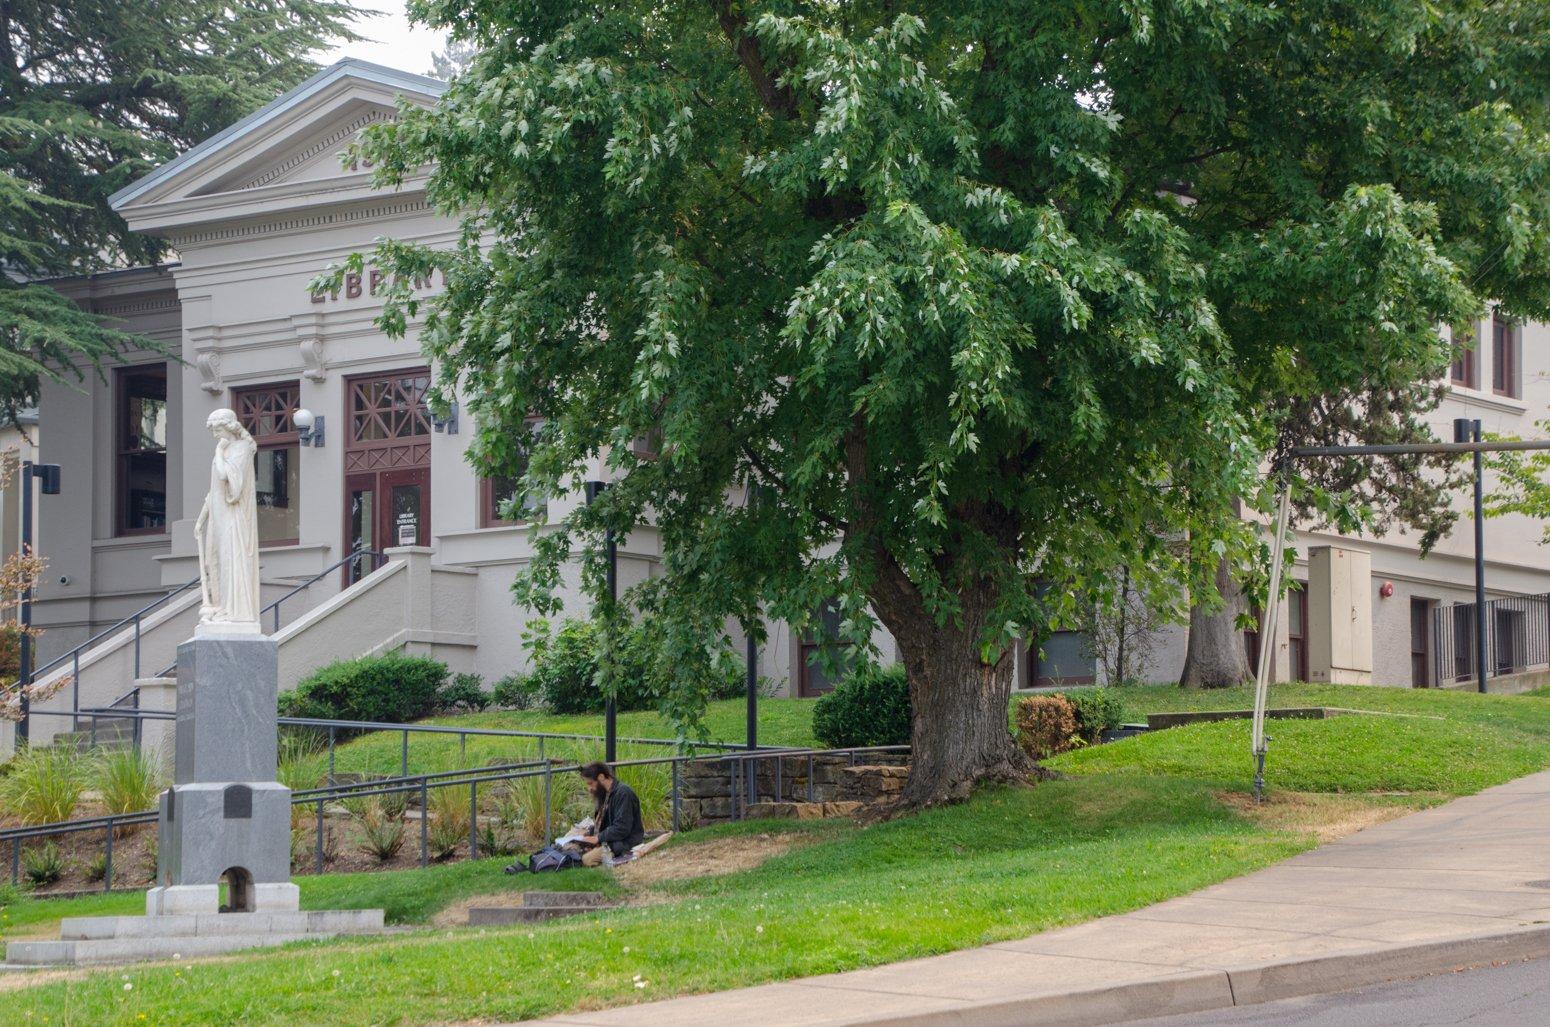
349	67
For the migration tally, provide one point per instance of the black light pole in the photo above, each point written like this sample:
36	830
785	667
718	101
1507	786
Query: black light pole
611	551
1467	429
48	484
753	687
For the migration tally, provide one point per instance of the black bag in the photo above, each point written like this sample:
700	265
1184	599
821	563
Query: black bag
553	858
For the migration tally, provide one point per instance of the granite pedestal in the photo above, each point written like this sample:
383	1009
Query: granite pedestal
225	816
225	820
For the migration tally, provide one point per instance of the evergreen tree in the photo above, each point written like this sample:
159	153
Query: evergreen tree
94	94
964	297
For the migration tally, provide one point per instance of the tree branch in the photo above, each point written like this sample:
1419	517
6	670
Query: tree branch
779	100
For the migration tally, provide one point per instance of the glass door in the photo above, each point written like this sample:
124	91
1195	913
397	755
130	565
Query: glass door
405	502
360	528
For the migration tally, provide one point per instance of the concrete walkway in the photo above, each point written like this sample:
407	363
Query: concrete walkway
1464	884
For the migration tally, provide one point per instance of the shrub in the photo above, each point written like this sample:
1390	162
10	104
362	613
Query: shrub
43	864
1045	725
392	688
128	780
97	869
565	670
43	785
871	706
463	694
516	692
1096	709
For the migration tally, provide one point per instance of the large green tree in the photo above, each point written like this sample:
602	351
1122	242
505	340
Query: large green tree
932	303
94	94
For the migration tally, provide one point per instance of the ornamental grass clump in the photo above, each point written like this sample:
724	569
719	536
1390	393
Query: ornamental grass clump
1046	725
449	821
127	780
43	785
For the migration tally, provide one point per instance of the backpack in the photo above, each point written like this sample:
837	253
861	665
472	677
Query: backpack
552	858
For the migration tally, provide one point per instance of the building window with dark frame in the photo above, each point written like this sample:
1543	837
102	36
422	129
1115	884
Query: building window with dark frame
1466	369
140	444
820	644
1297	632
502	500
268	412
1506	357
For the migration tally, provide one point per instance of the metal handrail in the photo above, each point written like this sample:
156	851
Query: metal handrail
422	783
354	554
74	655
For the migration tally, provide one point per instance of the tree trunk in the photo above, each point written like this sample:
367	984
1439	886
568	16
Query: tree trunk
1216	656
958	734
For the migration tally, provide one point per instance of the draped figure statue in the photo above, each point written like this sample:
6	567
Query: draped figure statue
227	530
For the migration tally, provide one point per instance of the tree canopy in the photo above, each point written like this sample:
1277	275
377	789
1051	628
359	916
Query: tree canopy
931	304
94	94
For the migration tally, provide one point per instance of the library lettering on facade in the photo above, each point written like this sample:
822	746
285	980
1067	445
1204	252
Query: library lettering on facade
350	456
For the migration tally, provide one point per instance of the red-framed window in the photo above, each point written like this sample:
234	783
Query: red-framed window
1466	369
1506	357
268	413
140	449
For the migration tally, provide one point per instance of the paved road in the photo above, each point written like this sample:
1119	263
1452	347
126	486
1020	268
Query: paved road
1514	995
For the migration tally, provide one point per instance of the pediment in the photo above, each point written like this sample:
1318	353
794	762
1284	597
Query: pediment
312	154
285	154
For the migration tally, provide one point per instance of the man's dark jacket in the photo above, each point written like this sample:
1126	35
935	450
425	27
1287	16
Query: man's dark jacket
620	826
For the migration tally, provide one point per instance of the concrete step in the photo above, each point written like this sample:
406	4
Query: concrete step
565	898
495	916
129	939
133	950
202	925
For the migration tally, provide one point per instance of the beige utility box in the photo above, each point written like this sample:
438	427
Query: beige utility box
1340	615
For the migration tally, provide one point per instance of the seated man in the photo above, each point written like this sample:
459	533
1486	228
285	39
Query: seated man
619	827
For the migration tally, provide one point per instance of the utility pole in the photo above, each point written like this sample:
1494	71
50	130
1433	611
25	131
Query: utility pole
1467	429
611	553
47	476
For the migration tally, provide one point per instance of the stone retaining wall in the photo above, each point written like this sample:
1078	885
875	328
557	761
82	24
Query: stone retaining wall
706	785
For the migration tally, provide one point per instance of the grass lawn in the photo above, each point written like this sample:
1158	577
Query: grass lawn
1422	740
1133	823
781	722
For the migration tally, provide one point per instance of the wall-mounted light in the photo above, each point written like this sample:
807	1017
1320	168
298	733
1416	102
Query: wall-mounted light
448	423
309	427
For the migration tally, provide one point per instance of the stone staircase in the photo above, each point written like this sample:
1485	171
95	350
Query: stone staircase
540	905
96	940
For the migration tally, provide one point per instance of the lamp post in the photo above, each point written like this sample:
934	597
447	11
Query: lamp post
47	476
611	552
1466	429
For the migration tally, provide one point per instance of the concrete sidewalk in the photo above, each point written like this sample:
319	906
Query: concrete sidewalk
1464	884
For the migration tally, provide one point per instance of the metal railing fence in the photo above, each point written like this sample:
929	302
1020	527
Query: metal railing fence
421	785
1517	638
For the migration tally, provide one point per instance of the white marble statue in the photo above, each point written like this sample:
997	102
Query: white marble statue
227	532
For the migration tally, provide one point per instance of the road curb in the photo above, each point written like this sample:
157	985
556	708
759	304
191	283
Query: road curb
1250	984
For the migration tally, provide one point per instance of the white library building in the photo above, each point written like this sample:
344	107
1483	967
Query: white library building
350	458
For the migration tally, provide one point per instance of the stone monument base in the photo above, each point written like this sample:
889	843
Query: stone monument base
128	939
205	899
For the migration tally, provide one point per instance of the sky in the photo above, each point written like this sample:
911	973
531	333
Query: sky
390	40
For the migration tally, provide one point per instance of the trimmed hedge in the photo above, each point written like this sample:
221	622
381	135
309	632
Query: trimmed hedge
1046	724
1096	709
871	706
393	688
463	694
